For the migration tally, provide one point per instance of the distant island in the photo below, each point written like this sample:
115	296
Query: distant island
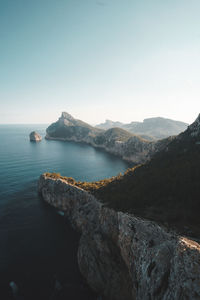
35	137
129	146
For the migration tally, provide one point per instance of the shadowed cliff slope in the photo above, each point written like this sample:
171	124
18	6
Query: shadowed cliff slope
124	257
166	188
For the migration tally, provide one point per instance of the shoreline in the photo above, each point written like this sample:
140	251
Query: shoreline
123	256
95	146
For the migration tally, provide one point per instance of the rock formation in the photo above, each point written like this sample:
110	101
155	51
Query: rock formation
115	140
164	189
124	257
35	137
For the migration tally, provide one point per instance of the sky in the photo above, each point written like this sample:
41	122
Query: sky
122	60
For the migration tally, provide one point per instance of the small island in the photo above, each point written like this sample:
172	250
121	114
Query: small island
35	137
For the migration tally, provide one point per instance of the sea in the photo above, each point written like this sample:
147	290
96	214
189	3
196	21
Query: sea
38	248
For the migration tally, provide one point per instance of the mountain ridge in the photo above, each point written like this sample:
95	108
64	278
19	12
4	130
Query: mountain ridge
164	186
117	141
164	189
120	255
155	127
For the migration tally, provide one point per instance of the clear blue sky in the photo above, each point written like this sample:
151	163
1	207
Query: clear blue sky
118	59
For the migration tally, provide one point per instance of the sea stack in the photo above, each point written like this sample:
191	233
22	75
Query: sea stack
35	137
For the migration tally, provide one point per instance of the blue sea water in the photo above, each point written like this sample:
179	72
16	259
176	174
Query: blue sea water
37	248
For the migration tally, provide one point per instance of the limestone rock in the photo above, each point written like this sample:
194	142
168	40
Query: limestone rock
35	137
122	256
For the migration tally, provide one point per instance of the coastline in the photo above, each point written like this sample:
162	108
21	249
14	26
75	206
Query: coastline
142	258
90	143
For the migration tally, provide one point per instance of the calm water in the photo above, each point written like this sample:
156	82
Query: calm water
36	249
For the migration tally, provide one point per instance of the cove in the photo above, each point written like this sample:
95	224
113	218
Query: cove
38	248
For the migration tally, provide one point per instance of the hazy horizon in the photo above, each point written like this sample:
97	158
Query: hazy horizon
93	124
97	123
109	59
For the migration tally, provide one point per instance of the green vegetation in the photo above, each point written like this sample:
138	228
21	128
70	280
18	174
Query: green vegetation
69	128
166	189
91	187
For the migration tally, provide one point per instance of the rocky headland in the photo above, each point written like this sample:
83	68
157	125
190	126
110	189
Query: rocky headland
164	189
117	141
35	137
123	256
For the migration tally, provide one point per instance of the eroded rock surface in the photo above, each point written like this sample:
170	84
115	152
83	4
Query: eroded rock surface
35	137
124	257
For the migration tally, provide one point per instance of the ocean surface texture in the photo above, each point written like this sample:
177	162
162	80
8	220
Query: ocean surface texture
38	254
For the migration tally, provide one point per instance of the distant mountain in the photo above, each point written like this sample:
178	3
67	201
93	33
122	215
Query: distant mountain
110	124
69	128
138	258
150	128
165	189
114	140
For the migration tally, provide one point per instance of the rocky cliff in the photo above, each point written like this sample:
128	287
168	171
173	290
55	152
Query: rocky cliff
124	257
35	137
164	189
115	140
71	129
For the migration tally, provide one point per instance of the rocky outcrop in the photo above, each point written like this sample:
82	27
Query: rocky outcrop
115	140
69	128
192	133
35	137
124	257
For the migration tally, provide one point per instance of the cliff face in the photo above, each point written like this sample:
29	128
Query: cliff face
166	188
71	129
115	140
35	137
124	257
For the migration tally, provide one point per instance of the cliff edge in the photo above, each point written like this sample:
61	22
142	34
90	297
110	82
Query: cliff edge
124	257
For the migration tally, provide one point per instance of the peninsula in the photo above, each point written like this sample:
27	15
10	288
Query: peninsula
118	141
123	255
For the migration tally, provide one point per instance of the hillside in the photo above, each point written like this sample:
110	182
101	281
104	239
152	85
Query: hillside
68	127
110	124
120	255
151	128
166	189
118	141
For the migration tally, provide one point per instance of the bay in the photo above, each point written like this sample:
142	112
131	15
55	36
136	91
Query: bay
38	249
